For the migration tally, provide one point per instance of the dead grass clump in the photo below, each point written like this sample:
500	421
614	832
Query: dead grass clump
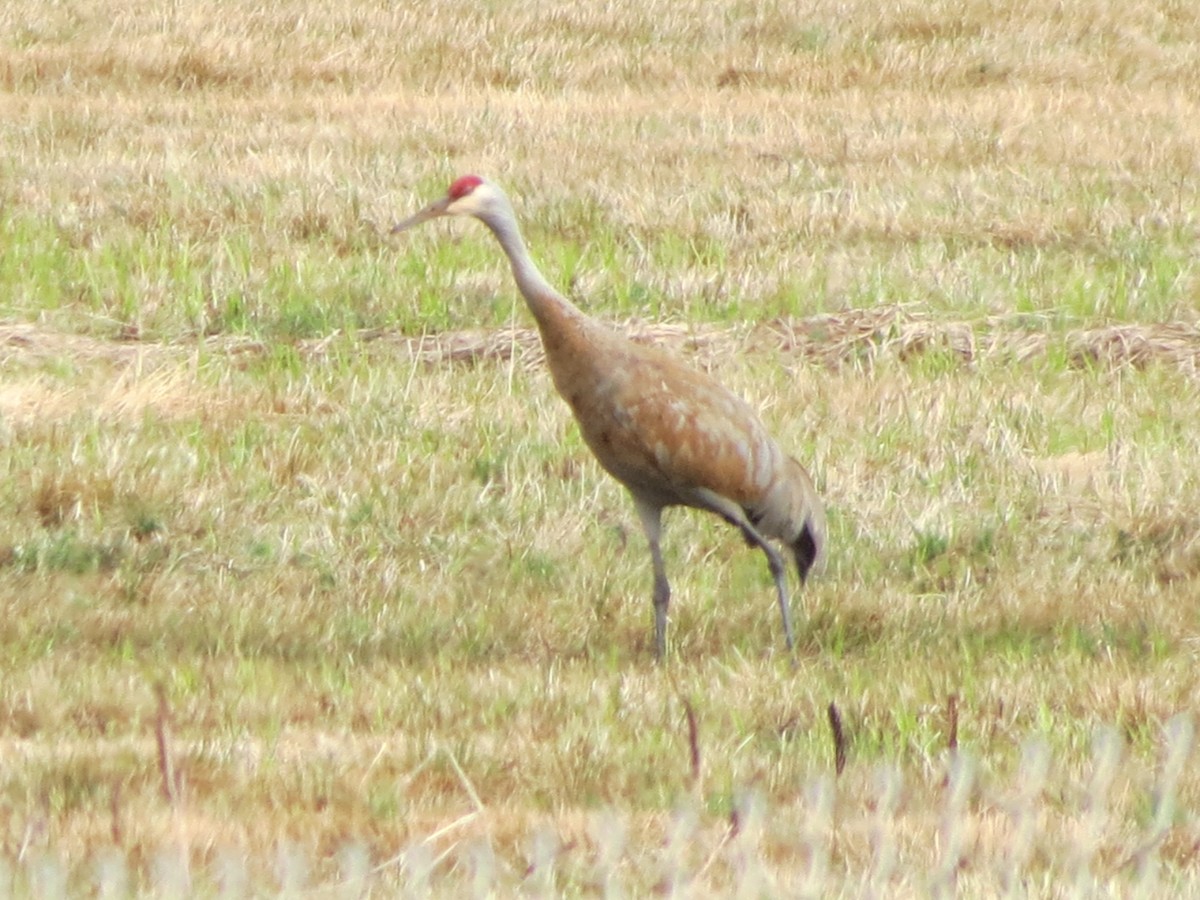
859	335
1175	344
196	69
26	343
1169	545
61	497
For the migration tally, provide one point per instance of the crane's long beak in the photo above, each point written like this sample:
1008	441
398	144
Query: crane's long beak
432	211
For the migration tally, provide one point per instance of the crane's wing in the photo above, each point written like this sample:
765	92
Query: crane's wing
672	435
669	431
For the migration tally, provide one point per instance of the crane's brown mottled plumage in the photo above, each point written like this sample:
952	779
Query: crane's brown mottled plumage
670	434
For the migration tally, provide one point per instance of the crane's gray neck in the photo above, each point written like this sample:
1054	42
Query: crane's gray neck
544	301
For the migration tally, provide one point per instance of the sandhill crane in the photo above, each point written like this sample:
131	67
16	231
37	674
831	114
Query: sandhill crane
672	435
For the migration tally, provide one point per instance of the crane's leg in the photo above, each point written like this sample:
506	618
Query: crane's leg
651	517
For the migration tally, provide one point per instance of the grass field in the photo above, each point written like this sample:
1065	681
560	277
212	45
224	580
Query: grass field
307	578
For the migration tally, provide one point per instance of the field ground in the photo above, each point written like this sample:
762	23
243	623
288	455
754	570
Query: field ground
307	577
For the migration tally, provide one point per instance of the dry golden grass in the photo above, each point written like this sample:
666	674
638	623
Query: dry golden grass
312	483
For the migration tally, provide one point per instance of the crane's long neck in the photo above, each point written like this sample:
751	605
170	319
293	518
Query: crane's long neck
556	316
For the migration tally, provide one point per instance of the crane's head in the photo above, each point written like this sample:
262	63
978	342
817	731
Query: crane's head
470	195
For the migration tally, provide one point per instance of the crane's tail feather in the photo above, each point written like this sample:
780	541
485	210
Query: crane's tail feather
808	546
805	550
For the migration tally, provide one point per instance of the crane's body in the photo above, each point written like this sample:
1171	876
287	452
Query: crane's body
671	434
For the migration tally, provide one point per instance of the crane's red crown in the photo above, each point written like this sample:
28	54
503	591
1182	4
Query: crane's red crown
464	186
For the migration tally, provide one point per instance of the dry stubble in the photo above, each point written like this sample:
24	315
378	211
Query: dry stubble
390	596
